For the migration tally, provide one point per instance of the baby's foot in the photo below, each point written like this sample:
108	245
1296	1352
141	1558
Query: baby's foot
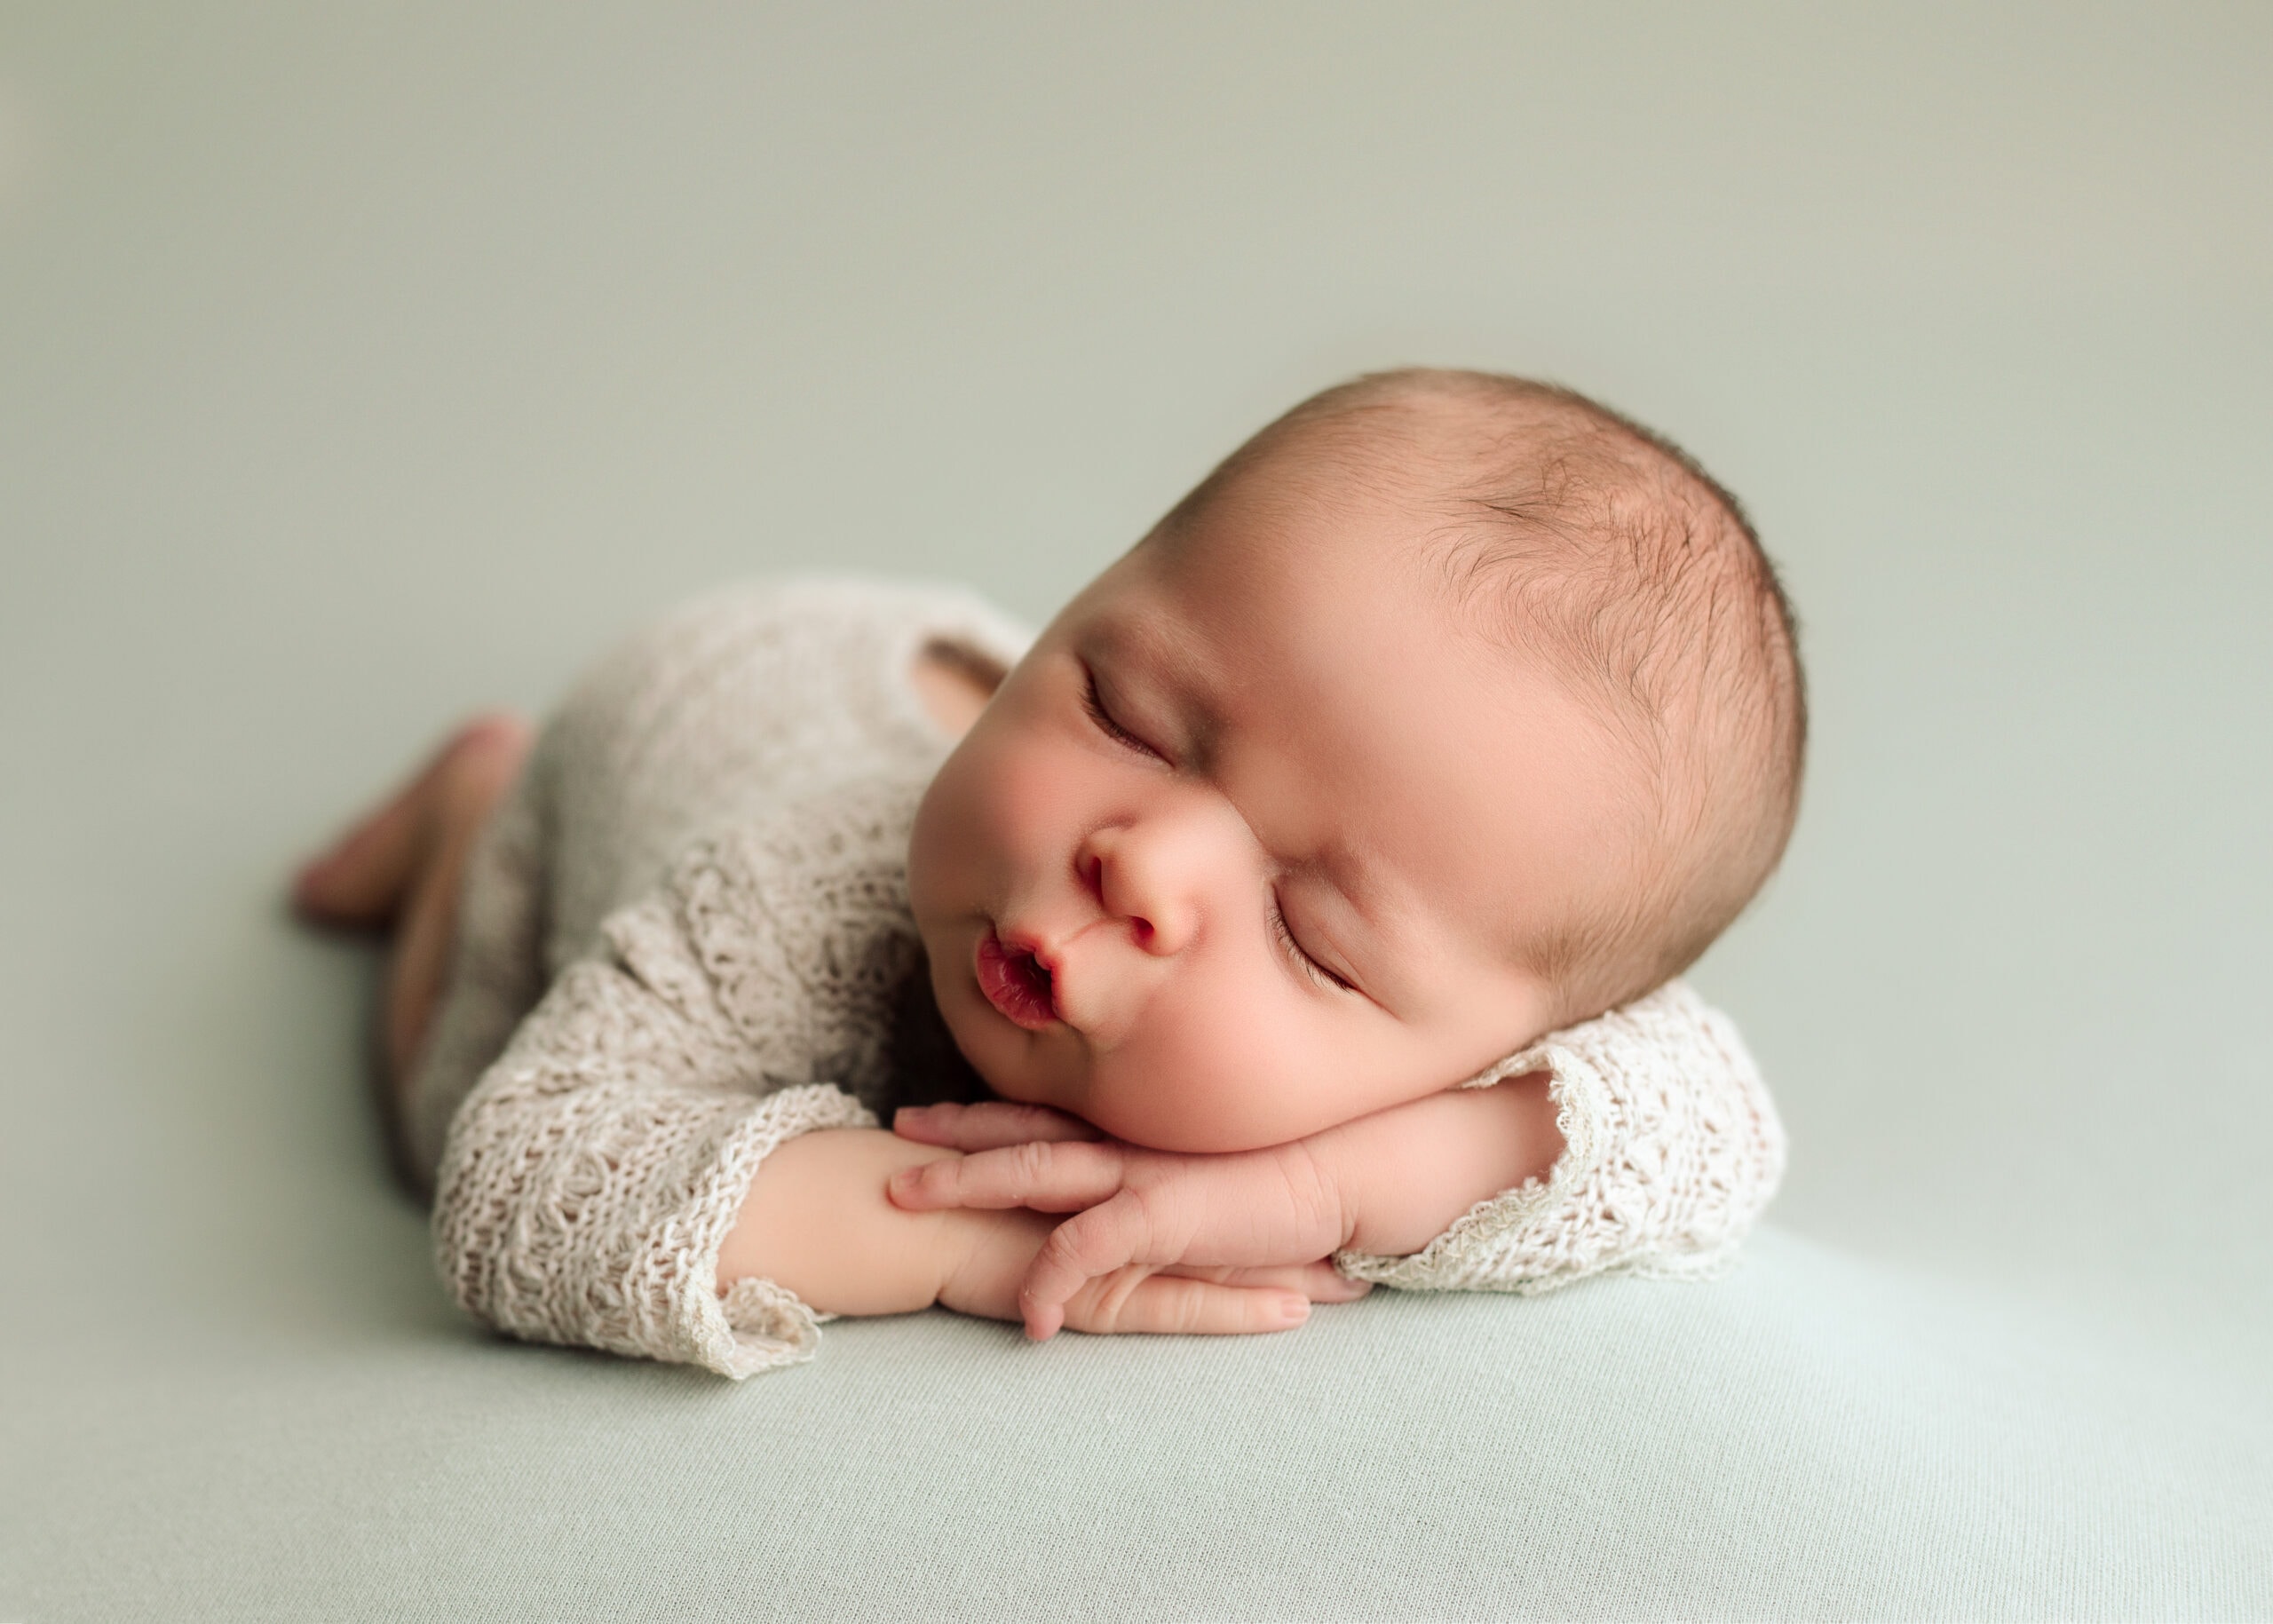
368	875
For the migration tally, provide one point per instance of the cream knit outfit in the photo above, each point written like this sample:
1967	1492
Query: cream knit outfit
685	938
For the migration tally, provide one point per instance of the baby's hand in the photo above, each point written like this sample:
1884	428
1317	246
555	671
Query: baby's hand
1255	1218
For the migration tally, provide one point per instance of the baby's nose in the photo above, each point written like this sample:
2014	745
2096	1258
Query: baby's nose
1137	879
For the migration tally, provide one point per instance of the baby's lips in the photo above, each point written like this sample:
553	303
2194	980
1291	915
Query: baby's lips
1015	983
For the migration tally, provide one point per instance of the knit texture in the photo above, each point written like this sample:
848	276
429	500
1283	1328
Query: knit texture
685	939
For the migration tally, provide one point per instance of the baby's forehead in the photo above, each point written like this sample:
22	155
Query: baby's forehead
1485	511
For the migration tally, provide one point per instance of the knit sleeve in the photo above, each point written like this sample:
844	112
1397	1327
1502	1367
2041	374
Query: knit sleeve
591	1176
1672	1148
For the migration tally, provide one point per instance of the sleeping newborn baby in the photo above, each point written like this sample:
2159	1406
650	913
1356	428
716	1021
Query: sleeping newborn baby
1300	911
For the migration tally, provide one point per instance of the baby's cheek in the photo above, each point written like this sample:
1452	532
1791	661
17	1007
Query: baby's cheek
979	810
943	840
1210	1077
1029	796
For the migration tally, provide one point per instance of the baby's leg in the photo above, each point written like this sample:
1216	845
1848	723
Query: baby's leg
400	869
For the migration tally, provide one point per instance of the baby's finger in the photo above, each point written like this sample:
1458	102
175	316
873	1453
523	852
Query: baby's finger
1060	1177
1107	1236
987	1125
1320	1281
1170	1305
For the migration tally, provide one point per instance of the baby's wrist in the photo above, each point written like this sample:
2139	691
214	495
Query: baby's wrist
818	1222
984	1257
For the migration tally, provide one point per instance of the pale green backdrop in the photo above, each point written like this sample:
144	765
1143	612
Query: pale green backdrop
362	365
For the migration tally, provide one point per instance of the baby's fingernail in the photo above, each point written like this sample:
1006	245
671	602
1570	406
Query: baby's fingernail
1296	1308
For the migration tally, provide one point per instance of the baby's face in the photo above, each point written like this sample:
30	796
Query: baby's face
1249	843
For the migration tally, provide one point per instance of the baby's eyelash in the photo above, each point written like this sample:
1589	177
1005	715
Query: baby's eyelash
1094	703
1308	965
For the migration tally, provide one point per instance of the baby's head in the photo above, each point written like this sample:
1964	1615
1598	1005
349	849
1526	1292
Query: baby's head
1450	709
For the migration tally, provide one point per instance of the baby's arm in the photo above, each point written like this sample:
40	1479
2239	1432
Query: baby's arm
817	1221
1389	1182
